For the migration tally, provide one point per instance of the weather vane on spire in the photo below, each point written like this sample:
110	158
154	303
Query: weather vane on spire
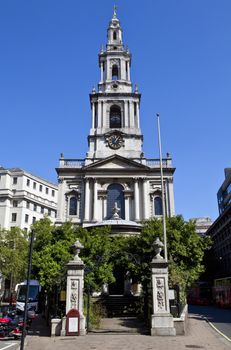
115	8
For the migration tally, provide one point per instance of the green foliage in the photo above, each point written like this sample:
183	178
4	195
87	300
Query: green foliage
185	251
98	247
102	252
96	313
13	254
51	252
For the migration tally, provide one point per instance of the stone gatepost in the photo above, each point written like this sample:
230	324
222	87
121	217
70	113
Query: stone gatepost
75	284
162	320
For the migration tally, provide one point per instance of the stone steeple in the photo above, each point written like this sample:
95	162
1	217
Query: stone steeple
115	106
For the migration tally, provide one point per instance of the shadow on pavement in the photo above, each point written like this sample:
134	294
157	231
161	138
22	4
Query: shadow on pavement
39	327
212	313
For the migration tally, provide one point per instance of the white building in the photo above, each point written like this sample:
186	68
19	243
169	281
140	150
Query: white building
202	225
115	172
25	198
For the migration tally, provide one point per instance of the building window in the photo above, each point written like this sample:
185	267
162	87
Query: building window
47	190
28	205
40	188
53	193
49	212
15	180
26	217
73	206
34	185
115	194
14	217
115	117
115	72
28	182
158	206
33	220
15	203
114	36
42	210
35	207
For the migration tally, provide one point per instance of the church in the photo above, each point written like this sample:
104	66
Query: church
115	184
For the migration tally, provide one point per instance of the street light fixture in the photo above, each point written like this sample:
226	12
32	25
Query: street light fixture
27	290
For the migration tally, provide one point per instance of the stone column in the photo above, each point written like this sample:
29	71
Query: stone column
126	114
126	198
137	200
145	200
104	207
131	114
95	209
104	113
162	320
129	78
75	285
138	114
93	115
101	71
99	115
87	201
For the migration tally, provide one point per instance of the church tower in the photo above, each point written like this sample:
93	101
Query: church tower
115	184
115	107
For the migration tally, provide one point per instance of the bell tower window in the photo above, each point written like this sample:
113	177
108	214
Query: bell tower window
115	117
115	72
114	36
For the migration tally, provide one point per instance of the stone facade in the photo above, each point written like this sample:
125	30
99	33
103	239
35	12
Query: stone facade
115	169
25	198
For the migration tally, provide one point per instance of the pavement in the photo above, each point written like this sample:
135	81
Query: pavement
200	335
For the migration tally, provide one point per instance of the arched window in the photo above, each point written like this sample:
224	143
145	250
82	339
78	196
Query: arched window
115	117
115	72
114	36
115	194
158	206
73	206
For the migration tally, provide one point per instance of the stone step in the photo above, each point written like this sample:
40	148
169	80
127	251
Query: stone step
117	306
122	325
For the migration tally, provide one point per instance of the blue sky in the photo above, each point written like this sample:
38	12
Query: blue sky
181	62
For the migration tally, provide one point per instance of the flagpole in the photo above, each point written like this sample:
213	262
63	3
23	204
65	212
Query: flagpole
162	190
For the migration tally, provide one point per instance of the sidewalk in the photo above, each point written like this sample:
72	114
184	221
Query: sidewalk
200	335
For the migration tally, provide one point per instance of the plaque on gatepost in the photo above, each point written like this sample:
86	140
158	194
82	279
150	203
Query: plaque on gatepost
73	322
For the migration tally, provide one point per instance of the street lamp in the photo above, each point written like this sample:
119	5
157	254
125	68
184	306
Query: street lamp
27	289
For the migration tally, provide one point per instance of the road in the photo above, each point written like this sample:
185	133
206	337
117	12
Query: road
9	344
219	318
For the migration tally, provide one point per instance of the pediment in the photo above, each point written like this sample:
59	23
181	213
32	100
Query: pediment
116	162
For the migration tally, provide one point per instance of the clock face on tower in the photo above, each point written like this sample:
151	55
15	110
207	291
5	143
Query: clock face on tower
115	141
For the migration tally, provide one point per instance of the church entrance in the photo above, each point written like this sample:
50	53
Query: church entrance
117	288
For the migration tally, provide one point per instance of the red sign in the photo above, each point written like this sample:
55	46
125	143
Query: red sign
73	322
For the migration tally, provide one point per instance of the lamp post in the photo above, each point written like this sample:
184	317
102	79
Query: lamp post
27	290
162	190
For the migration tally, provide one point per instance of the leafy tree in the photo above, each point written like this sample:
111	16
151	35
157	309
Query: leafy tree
13	254
185	251
102	253
51	251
